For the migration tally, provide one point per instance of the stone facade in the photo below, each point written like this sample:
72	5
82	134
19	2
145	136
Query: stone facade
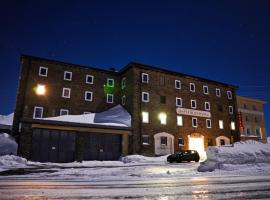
251	116
162	99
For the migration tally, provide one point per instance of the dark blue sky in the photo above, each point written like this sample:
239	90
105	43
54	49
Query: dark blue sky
227	41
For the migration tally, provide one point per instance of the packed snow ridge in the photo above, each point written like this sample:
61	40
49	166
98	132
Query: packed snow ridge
239	155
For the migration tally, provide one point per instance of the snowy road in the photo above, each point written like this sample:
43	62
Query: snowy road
232	187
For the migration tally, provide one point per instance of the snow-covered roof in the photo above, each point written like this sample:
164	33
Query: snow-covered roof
116	116
6	120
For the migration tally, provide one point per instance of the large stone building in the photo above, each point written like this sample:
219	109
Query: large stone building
169	111
251	119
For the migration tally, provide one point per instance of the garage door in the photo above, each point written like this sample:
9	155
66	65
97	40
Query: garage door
53	145
102	146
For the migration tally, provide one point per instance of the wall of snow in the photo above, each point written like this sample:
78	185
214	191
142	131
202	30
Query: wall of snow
8	145
241	153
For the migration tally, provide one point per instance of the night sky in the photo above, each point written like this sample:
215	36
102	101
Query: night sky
227	41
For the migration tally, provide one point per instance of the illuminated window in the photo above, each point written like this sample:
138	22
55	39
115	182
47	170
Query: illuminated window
145	117
123	82
178	101
66	92
207	105
177	84
180	141
123	100
229	94
194	122
145	140
179	120
163	141
67	76
232	126
88	96
192	87
163	118
208	123
230	109
64	112
109	98
40	89
110	82
38	112
193	104
89	79
205	89
220	122
43	71
218	94
145	97
145	78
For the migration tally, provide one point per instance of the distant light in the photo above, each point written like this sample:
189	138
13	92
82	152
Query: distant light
163	118
40	89
145	117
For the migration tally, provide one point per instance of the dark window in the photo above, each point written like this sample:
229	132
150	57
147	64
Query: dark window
245	106
258	132
163	99
254	107
210	142
145	139
248	131
144	78
222	142
43	71
163	141
180	141
255	119
161	80
67	75
110	82
246	118
220	108
89	79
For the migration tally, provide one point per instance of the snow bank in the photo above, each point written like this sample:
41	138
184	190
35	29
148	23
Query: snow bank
116	116
143	159
7	119
11	161
8	145
241	153
268	140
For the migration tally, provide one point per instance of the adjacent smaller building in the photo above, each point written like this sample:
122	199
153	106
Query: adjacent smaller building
251	119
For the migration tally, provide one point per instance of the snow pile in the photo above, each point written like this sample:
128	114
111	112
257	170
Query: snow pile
268	140
11	161
241	153
7	119
8	145
116	116
143	159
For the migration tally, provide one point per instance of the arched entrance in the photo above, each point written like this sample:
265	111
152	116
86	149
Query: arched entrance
222	140
164	143
196	142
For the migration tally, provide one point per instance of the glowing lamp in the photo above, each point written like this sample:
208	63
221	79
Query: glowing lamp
40	89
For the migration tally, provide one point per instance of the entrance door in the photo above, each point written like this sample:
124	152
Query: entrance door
196	142
164	143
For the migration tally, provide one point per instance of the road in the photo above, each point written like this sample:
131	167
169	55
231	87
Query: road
230	187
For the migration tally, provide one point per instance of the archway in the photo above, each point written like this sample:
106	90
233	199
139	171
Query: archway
164	143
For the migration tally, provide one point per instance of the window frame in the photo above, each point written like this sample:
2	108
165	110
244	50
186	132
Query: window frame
231	110
193	100
123	99
218	92
177	82
176	102
148	139
123	83
182	143
229	94
88	76
207	103
206	121
205	86
63	110
85	95
67	72
145	114
166	143
194	125
39	71
35	109
142	77
148	97
108	81
69	93
107	98
190	85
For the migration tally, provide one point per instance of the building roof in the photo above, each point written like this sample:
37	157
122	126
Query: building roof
250	99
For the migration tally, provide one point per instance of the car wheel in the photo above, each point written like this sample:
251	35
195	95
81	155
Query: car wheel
197	160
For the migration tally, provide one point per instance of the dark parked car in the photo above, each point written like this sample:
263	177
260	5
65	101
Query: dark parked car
184	155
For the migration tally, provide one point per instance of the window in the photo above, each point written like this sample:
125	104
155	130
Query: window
245	106
145	97
208	123
178	102
64	112
110	82
218	93
163	99
161	80
66	92
246	118
124	82
38	112
163	141
205	89
220	122
88	96
145	140
194	122
40	89
89	79
248	131
177	84
192	87
109	98
145	78
233	126
179	120
258	131
67	76
43	71
163	118
206	105
254	107
123	100
145	117
231	110
180	141
255	119
229	94
193	104
222	142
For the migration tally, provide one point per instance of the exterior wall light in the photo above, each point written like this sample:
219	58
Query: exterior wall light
40	89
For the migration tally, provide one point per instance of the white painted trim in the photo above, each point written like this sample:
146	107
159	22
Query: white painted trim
39	72
69	92
34	114
67	72
86	79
